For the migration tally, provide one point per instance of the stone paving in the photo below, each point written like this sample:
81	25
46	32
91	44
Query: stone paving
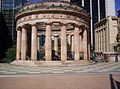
10	69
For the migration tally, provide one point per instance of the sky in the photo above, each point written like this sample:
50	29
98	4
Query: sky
117	6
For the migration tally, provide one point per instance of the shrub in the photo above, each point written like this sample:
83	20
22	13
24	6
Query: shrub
10	55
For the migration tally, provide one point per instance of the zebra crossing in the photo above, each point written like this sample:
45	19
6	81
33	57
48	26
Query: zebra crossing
10	69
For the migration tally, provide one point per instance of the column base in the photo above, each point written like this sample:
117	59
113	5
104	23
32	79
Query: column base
49	63
24	63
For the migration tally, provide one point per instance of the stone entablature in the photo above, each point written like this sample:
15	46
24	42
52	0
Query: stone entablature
59	10
53	18
62	21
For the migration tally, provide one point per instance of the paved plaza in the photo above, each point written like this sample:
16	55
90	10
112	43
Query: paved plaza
10	69
60	77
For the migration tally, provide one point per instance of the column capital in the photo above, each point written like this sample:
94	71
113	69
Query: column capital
80	31
26	26
34	24
75	25
55	35
48	23
63	24
19	28
83	26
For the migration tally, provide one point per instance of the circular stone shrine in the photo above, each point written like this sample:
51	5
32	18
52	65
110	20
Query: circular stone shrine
64	27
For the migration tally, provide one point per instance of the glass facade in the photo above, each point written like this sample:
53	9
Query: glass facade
87	5
0	5
95	11
102	9
8	4
9	10
8	13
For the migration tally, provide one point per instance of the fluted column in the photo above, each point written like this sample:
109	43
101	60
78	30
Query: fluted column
48	43
24	44
63	43
104	39
98	41
34	43
95	41
77	43
84	45
18	49
56	44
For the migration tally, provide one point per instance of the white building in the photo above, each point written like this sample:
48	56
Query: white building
105	34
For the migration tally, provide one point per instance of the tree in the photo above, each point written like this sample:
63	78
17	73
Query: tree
117	45
10	55
5	38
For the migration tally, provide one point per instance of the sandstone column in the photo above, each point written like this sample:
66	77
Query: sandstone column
98	41
38	48
56	44
80	46
104	40
18	50
24	44
34	43
77	43
63	43
84	45
95	40
72	45
48	43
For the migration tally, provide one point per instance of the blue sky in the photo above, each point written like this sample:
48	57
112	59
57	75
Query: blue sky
35	0
117	4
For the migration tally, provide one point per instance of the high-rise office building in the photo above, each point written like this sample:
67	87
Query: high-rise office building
0	4
98	10
8	13
9	10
